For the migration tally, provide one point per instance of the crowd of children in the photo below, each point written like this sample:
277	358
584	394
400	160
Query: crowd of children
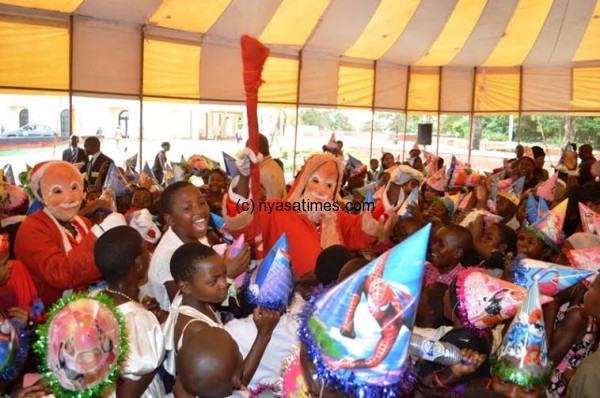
151	288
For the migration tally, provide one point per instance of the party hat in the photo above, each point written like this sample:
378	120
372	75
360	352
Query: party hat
230	166
464	201
415	147
369	187
482	301
543	208
132	161
585	259
549	227
436	181
147	175
456	176
14	345
588	219
82	346
491	218
431	163
332	143
271	285
528	153
518	186
221	226
552	278
546	190
355	166
369	198
522	358
473	179
413	199
117	182
34	206
14	197
9	176
531	210
355	346
491	204
450	202
512	192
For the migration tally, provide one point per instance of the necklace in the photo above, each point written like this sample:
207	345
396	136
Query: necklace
119	294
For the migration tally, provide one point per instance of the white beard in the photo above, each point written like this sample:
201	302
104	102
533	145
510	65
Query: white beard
315	215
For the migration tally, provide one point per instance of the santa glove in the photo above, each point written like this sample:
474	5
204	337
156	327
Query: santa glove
111	221
142	222
245	158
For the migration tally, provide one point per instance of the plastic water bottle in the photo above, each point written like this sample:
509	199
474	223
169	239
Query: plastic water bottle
434	351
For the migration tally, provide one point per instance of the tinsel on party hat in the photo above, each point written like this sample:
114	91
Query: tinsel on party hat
585	259
589	219
14	345
81	346
357	333
437	180
482	301
522	358
271	285
549	227
551	278
546	190
413	199
14	197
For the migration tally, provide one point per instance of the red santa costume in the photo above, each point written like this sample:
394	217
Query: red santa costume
55	244
306	238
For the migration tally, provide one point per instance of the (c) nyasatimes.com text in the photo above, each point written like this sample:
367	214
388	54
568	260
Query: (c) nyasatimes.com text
302	206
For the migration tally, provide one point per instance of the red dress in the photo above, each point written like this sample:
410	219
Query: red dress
56	261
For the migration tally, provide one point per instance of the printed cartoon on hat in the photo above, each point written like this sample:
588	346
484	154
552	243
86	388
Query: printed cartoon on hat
357	333
14	345
271	285
523	356
482	301
456	175
551	278
355	166
431	163
589	219
549	227
450	202
585	259
81	346
546	190
437	180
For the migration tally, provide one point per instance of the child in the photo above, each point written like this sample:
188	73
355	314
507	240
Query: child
141	199
447	248
430	311
495	245
201	276
217	186
210	364
122	258
187	214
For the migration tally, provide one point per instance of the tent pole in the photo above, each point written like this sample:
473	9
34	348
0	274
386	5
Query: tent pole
143	36
472	115
373	109
405	111
297	112
437	150
520	102
70	76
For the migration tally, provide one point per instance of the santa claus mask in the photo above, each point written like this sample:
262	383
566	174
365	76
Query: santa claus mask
62	191
322	183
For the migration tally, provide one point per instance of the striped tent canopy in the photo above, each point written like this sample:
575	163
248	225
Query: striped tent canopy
482	56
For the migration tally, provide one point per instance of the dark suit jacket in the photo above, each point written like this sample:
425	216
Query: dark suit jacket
94	168
66	156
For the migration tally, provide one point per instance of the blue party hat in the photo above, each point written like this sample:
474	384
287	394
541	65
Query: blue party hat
14	345
271	285
369	187
552	278
368	358
221	226
132	161
369	197
35	205
493	194
116	182
353	162
230	166
543	208
148	171
413	199
9	175
532	213
518	186
523	356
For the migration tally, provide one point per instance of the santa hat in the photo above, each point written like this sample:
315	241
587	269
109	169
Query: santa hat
413	199
332	143
549	227
271	285
14	346
546	190
589	219
551	278
437	181
355	364
586	259
482	301
86	324
522	358
37	172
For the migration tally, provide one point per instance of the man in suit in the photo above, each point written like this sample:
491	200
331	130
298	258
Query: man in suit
73	154
98	162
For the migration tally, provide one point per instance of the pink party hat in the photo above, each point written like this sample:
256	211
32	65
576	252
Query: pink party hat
232	251
528	153
482	301
585	259
473	179
464	201
431	163
355	346
332	143
415	147
490	218
549	227
523	355
14	197
546	190
271	285
436	181
511	192
589	219
456	176
551	278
